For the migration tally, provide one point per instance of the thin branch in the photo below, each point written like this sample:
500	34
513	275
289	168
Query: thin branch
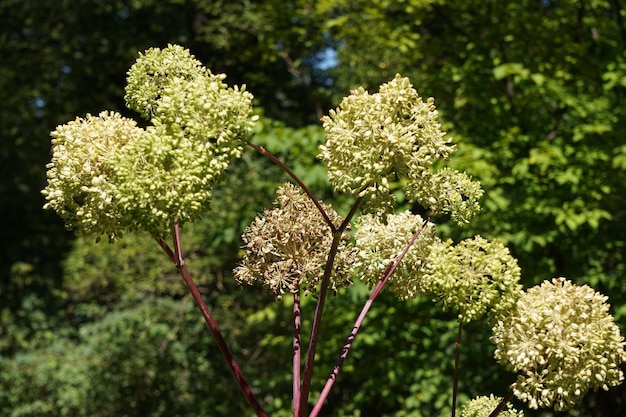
500	406
297	179
319	307
457	360
297	321
317	320
168	251
351	213
177	258
387	273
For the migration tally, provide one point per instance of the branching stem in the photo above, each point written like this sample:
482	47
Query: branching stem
319	307
387	273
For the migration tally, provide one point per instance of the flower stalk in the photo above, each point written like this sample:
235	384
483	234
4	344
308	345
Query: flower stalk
177	257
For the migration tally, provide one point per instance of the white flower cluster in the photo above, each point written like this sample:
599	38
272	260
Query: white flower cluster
562	341
149	177
483	406
287	247
380	240
474	277
372	139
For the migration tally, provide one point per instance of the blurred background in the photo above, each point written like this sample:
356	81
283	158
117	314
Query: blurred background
533	93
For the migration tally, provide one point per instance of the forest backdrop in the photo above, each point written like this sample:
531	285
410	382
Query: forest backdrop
531	91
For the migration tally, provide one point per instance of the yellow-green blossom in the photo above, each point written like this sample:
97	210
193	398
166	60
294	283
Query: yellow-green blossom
380	240
562	342
448	190
287	247
107	175
154	72
79	176
483	406
474	277
373	139
198	127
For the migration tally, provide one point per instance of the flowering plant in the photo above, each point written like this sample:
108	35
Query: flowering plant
109	176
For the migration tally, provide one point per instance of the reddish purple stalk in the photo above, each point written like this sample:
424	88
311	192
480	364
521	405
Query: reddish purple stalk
500	406
297	321
177	257
359	321
457	360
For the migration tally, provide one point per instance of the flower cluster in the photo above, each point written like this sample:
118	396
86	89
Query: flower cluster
474	277
150	177
286	248
372	139
562	341
78	175
483	406
380	240
150	78
448	190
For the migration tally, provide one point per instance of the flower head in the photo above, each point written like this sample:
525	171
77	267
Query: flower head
483	406
448	190
474	277
198	127
562	341
107	175
79	175
287	247
380	240
372	139
154	72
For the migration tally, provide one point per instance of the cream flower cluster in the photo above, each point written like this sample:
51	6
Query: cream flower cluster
286	248
562	341
78	175
474	277
483	406
109	176
372	139
380	240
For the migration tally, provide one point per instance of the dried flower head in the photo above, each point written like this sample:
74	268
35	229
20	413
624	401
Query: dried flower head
286	248
562	341
474	277
380	240
79	175
483	406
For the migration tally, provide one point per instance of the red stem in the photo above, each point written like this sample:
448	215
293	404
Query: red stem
298	181
317	320
176	257
319	307
457	360
391	268
297	320
500	406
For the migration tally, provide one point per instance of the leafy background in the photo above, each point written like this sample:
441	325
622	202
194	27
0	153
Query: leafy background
532	91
